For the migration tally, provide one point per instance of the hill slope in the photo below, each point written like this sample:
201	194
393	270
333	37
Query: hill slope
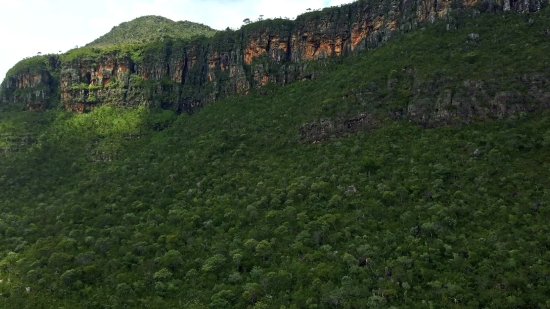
183	75
278	200
150	28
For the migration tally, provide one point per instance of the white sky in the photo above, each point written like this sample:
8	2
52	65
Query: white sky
48	26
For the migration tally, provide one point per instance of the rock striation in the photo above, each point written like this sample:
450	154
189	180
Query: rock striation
183	75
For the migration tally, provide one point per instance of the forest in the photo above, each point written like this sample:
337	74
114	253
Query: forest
250	202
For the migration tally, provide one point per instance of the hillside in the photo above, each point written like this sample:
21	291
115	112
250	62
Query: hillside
186	74
413	175
150	28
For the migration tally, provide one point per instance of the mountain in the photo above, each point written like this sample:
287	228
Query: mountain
150	28
181	75
410	175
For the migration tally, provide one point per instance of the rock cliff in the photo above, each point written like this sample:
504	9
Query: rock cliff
448	104
182	75
32	83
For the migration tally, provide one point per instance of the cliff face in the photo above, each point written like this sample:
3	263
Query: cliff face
34	86
87	82
184	75
36	80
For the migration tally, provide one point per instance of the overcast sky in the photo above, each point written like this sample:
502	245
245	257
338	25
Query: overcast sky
48	26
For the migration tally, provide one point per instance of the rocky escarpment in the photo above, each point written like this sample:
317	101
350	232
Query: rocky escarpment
33	84
182	75
429	106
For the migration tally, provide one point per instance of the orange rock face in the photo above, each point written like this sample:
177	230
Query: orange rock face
177	77
253	51
265	80
206	71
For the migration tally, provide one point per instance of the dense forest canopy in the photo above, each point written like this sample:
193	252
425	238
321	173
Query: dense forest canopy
247	204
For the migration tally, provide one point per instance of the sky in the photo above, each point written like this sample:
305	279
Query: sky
49	26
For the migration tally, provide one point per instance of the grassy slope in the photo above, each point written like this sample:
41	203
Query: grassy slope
226	208
150	28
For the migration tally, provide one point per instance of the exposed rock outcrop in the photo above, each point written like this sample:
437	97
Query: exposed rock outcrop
182	75
35	87
445	105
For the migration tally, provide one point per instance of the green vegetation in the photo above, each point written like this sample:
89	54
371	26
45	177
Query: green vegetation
281	24
36	64
233	208
83	86
139	35
151	28
85	53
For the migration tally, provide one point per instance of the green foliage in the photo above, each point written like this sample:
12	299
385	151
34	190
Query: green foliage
214	263
232	208
34	64
151	28
276	24
81	53
83	86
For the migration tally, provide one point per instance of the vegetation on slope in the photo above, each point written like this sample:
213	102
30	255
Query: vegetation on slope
36	63
129	36
232	208
151	28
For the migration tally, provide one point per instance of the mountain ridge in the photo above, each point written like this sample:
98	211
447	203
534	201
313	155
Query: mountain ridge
184	75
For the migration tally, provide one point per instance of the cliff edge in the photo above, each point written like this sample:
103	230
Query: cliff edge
182	74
